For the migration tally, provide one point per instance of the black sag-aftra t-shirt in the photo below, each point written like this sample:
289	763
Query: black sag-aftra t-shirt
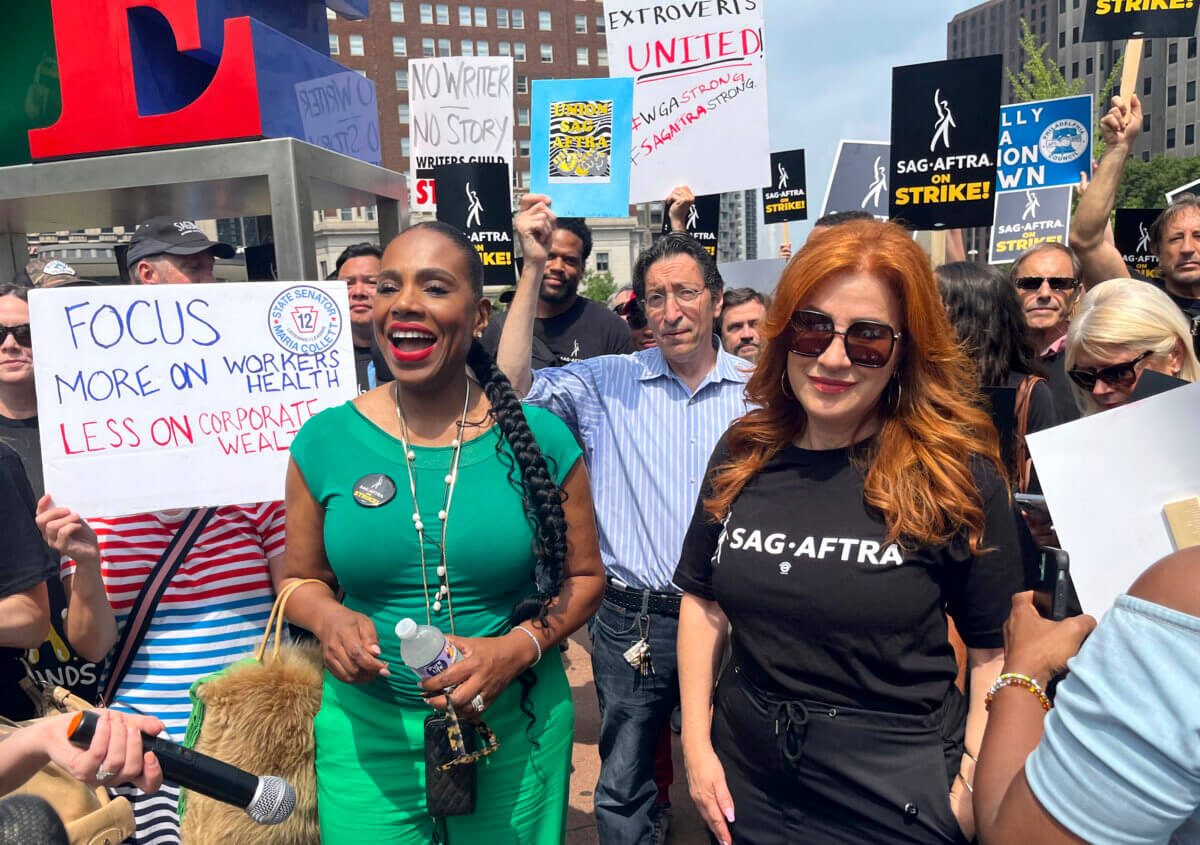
823	609
585	330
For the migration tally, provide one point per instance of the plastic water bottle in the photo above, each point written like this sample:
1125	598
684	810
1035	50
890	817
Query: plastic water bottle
425	649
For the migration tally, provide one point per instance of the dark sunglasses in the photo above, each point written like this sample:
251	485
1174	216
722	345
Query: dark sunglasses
20	333
868	343
1032	283
1116	375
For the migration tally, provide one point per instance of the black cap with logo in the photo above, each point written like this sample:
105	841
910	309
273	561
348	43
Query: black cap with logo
174	236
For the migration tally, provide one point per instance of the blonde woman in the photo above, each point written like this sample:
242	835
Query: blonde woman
1122	328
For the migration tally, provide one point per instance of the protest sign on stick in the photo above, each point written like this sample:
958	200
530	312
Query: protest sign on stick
699	96
179	396
1189	188
859	178
703	221
1045	143
460	110
1131	234
339	112
945	122
476	199
580	145
1027	218
787	197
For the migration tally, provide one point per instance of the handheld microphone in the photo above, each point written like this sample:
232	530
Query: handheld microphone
28	818
267	800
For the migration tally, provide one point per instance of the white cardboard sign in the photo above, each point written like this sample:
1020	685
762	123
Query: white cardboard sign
1106	478
461	111
179	396
699	94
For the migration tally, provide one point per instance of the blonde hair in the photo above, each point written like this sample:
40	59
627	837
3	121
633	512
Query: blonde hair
1132	315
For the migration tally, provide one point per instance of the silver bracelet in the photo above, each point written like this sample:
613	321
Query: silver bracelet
536	644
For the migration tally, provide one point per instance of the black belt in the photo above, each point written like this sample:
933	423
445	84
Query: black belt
630	598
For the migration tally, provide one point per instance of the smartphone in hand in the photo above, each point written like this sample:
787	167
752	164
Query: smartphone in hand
1050	594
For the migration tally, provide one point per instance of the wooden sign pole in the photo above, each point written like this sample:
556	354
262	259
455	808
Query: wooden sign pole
786	239
1129	71
937	248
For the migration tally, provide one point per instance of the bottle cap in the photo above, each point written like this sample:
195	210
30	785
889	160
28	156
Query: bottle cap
406	629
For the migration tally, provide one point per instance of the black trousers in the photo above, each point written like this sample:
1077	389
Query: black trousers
807	772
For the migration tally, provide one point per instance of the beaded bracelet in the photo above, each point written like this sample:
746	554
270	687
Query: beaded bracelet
536	644
1013	679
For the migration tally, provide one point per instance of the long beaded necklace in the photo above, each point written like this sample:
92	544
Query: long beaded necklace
410	457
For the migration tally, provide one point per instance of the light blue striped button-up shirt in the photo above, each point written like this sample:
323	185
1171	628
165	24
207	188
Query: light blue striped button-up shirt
647	440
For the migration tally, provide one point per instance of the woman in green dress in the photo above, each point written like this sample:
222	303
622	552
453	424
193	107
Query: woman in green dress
439	497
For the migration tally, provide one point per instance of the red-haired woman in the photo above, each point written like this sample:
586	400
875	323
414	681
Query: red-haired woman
839	523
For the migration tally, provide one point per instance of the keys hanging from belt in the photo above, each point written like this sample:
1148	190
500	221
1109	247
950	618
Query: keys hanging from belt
638	654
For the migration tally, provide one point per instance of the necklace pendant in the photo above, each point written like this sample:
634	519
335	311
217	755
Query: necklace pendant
437	606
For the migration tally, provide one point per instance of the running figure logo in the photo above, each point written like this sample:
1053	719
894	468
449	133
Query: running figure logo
693	218
1031	206
1143	244
878	187
945	121
476	207
783	176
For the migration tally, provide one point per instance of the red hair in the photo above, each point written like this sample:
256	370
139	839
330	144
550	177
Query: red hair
918	473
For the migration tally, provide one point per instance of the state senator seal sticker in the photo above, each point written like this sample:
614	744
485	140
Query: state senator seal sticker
305	320
374	491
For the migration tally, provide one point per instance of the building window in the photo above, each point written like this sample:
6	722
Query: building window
334	46
346	215
397	10
502	18
324	264
1090	66
401	80
519	51
468	47
1116	54
1172	53
443	14
1147	48
444	47
1191	48
581	56
522	83
1062	40
464	15
547	54
1191	91
1189	134
523	147
1146	86
600	27
480	16
602	56
602	262
503	48
404	147
1171	138
1146	155
518	19
523	116
1145	123
356	45
1075	35
481	48
426	13
525	178
427	48
1172	96
399	46
581	24
1074	70
544	21
402	112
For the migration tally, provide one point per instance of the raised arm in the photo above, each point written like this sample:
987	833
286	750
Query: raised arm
1099	257
679	203
534	226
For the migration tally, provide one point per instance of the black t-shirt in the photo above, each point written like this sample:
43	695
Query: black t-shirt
822	609
24	560
1190	308
22	437
1055	366
585	330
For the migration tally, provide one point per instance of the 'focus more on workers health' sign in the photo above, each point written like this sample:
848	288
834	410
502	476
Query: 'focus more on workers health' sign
945	122
1045	143
179	396
699	93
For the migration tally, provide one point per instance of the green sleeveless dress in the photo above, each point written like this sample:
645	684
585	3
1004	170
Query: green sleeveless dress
370	737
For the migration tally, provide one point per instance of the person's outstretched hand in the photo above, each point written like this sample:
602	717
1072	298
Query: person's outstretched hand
679	202
534	226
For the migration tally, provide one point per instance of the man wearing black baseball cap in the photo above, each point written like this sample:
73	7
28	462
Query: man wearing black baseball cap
171	250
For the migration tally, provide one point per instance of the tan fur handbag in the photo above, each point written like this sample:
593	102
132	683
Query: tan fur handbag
258	715
91	816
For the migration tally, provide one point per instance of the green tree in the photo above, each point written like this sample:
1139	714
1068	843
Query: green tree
1146	182
598	286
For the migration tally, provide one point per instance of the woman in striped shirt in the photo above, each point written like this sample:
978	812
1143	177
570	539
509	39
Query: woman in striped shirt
211	614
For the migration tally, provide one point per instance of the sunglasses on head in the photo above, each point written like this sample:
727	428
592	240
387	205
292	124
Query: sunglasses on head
1115	375
21	334
1032	283
868	343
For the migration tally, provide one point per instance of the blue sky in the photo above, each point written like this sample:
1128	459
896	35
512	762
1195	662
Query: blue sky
829	76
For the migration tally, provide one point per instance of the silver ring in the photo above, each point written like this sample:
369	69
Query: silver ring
477	703
104	774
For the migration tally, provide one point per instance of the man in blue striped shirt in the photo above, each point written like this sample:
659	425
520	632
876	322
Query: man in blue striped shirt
648	422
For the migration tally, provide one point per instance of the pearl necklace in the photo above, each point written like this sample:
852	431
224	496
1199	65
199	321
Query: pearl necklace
410	457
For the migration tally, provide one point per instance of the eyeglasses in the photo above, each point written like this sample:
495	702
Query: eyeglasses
684	296
458	747
1116	375
868	343
1058	283
21	334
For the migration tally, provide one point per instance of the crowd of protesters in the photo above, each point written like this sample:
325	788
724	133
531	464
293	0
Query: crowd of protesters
788	516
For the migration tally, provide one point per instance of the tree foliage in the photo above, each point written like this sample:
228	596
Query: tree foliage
598	286
1146	182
